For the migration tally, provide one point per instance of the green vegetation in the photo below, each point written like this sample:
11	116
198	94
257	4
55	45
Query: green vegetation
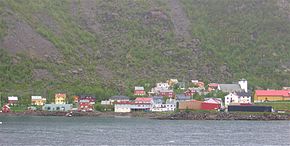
277	105
107	47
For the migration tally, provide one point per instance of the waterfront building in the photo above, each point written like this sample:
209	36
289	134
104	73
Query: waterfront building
271	95
57	107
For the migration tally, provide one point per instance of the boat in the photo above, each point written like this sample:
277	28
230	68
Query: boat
69	114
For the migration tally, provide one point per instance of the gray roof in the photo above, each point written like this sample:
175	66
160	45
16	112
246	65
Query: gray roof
244	94
182	97
157	99
119	97
230	88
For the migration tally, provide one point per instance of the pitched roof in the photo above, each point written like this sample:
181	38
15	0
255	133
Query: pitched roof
12	98
230	87
244	94
213	85
36	97
213	100
139	88
182	97
118	97
142	99
273	93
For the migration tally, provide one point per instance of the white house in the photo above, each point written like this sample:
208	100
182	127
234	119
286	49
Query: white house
170	105
129	106
237	97
12	100
159	87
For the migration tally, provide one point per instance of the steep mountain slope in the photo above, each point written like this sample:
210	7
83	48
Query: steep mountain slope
104	47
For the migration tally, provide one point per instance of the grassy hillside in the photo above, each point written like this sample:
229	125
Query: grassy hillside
104	47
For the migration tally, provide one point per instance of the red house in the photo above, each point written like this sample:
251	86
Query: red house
210	106
86	103
85	106
5	108
167	93
139	91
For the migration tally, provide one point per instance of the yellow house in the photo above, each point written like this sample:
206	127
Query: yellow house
60	98
37	100
271	95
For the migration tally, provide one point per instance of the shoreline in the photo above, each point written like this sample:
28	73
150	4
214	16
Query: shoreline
165	116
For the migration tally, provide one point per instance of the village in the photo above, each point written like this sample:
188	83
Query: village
167	96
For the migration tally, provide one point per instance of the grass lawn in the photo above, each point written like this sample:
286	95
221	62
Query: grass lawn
277	105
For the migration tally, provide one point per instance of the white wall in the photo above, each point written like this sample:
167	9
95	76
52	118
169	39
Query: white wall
244	84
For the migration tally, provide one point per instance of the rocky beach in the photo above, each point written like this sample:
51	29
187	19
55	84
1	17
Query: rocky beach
164	116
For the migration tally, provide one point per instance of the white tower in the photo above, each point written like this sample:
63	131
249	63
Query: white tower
244	84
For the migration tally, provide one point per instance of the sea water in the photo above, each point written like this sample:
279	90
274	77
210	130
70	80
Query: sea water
36	130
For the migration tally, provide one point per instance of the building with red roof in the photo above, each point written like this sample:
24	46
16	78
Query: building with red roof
271	95
139	91
212	87
143	100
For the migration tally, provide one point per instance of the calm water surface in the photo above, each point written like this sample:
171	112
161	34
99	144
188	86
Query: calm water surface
139	131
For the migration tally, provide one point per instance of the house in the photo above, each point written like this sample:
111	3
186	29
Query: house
210	106
60	98
212	87
157	99
76	99
118	98
249	108
12	100
87	98
131	106
169	105
228	88
213	100
86	103
57	107
105	102
190	92
5	108
139	91
158	88
237	97
242	86
271	95
197	83
166	93
172	82
182	97
37	100
143	100
189	105
162	86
